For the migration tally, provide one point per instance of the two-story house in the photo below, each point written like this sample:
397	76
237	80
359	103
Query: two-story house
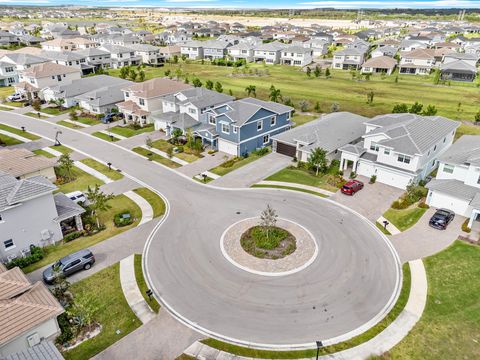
97	58
186	109
399	148
417	62
143	98
8	74
270	53
242	126
242	50
39	77
70	58
150	54
215	49
296	56
121	56
349	58
192	49
457	184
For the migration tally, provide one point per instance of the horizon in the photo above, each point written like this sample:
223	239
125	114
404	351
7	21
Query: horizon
262	5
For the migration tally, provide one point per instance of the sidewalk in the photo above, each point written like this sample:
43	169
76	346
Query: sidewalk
144	205
131	291
93	172
165	155
15	136
377	346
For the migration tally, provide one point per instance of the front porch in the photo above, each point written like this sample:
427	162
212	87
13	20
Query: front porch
69	214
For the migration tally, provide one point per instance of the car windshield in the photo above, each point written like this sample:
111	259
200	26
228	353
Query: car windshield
57	264
442	213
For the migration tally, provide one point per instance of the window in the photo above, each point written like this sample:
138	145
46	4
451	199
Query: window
435	148
226	128
9	69
141	101
386	151
404	159
1	219
448	169
212	120
192	111
235	129
374	147
273	121
259	125
8	244
127	94
266	139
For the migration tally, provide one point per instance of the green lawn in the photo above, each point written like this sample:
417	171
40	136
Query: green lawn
289	188
309	353
82	181
155	201
113	312
300	176
142	284
3	108
88	120
8	141
105	136
450	325
118	203
467	130
406	218
17	131
54	110
43	153
69	124
112	174
186	155
127	131
6	91
238	162
303	119
155	157
36	115
382	228
14	103
351	95
63	149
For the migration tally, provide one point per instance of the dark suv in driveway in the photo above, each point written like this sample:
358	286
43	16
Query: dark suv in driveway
70	264
441	219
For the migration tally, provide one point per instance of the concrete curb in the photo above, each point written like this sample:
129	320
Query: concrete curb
377	346
390	227
131	291
14	136
165	155
295	185
144	205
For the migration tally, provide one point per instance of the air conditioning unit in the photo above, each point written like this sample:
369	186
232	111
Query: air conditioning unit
25	252
11	257
33	339
46	234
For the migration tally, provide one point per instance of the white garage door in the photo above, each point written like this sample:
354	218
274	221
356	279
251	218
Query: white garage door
392	179
439	200
227	147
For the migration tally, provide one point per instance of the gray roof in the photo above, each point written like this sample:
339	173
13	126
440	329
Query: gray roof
45	350
458	65
105	95
297	49
92	51
143	47
351	51
329	132
465	151
215	44
455	188
87	84
63	55
13	191
272	46
116	49
410	133
203	98
25	59
66	208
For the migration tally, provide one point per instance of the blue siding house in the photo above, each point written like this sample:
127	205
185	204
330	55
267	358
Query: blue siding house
242	126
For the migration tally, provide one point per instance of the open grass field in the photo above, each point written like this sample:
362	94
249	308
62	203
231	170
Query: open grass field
450	325
112	313
118	203
111	173
351	95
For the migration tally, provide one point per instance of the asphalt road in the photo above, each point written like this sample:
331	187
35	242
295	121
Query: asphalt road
349	286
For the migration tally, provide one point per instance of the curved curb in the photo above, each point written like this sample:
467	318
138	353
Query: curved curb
264	273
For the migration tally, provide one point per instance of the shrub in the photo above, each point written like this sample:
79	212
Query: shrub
66	330
72	236
261	152
36	254
180	149
353	175
373	179
229	163
465	227
422	205
399	204
120	221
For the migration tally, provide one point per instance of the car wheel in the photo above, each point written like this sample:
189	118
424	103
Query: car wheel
87	266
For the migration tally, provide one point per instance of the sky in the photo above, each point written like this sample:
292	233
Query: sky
339	4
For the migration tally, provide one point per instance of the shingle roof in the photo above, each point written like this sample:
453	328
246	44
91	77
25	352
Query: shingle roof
19	162
25	59
454	188
202	97
382	62
410	133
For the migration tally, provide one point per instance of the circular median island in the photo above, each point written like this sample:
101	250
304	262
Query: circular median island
277	250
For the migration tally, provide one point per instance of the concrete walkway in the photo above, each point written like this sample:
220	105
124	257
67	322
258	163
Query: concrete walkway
15	136
165	155
131	291
52	151
392	229
93	172
298	186
109	133
77	123
202	165
377	346
144	205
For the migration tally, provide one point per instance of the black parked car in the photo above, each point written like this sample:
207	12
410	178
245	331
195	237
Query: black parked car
441	219
70	264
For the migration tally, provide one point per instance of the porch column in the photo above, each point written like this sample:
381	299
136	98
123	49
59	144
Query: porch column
473	216
78	223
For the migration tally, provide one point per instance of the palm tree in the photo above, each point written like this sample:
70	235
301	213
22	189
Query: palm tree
275	94
251	89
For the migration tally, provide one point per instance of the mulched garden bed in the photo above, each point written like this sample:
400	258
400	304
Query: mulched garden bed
278	244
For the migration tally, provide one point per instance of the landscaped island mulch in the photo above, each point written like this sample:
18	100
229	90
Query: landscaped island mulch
274	243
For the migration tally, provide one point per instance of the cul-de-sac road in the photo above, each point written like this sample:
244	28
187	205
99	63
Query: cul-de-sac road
352	283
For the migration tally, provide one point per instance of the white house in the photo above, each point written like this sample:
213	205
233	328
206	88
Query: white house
270	52
296	56
242	50
457	185
349	58
417	62
121	55
192	49
399	148
150	54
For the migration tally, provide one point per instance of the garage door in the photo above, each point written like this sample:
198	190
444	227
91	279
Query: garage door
286	149
227	147
392	178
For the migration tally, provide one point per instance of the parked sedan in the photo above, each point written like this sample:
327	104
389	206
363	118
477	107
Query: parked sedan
70	264
351	187
441	219
15	97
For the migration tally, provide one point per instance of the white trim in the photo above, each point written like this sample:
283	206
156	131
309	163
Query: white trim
261	125
265	133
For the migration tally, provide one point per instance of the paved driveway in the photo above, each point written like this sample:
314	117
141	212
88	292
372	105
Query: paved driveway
254	172
208	162
421	240
372	201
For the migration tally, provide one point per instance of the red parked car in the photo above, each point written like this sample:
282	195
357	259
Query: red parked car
351	187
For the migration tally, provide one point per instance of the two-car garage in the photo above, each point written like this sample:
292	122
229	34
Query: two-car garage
284	148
